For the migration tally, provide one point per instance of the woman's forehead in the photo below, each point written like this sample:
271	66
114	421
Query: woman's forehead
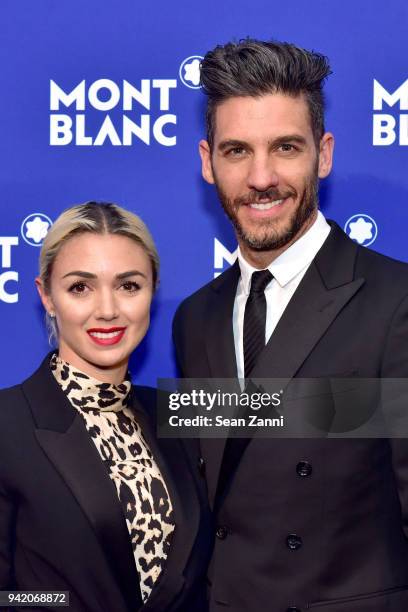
101	252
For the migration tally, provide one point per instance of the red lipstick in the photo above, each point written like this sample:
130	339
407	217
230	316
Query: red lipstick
106	336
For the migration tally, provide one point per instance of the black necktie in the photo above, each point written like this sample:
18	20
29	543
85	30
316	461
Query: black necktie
255	319
254	342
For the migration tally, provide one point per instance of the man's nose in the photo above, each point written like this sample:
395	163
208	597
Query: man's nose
262	173
107	305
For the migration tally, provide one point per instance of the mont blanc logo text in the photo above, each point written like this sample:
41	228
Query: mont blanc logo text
8	277
390	125
113	113
222	255
362	229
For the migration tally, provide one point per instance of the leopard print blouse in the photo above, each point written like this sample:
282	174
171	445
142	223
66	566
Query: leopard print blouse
123	449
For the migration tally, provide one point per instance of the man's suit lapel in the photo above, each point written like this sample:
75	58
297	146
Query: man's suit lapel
219	335
307	317
62	435
326	288
221	357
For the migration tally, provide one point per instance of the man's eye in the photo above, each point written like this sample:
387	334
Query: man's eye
287	148
236	152
78	288
131	286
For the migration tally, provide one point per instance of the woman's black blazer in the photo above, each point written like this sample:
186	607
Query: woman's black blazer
61	523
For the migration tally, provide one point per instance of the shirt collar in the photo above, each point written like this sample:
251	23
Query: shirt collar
292	261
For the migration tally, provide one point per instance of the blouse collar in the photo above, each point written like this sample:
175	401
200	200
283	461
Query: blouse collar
87	393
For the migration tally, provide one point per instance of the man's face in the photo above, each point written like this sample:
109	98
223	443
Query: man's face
265	166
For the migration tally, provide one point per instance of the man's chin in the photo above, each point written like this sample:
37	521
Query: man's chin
269	243
267	240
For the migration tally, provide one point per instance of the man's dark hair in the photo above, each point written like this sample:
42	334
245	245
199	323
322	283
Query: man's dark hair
253	68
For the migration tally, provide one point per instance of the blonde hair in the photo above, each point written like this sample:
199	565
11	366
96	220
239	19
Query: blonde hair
96	218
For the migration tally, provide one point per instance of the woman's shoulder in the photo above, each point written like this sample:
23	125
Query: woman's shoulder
16	425
16	421
14	399
11	398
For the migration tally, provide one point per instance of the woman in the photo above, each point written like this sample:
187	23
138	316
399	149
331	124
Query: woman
90	501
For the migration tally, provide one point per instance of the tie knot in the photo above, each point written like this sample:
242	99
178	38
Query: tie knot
259	280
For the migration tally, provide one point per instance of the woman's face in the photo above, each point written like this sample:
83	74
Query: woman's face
100	292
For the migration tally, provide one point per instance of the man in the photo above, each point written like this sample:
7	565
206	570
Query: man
308	523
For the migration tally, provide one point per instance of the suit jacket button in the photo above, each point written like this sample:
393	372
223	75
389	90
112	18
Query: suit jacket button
201	466
293	609
304	469
221	532
293	541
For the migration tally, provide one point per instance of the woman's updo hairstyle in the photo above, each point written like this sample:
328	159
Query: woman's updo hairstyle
96	218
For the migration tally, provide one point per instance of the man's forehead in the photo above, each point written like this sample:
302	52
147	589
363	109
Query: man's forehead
241	114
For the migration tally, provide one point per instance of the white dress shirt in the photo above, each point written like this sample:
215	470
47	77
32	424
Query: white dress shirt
287	270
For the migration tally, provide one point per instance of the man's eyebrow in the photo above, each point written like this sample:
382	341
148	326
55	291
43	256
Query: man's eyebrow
89	275
227	144
276	142
288	138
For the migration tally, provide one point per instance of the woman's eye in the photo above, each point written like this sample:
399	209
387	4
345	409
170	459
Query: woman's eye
131	286
78	288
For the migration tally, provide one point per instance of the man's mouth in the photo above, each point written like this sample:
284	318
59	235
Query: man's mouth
265	205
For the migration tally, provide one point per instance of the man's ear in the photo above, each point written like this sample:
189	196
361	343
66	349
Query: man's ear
326	155
45	297
206	167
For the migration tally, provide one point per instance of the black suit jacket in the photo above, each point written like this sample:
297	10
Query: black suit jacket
312	523
61	523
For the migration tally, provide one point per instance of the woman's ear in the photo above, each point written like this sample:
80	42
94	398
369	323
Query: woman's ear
45	297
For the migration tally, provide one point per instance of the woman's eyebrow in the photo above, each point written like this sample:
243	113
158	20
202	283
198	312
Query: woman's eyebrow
83	274
80	273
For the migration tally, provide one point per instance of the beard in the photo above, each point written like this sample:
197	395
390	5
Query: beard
267	235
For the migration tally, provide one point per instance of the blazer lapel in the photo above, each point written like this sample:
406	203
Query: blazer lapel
306	318
221	357
219	335
62	435
326	288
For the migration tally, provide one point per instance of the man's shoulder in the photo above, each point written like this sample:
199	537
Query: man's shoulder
376	264
341	258
198	299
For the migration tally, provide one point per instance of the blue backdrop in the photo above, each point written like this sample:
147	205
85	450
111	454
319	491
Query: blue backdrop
88	50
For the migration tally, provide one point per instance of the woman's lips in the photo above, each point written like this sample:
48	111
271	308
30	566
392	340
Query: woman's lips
106	337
